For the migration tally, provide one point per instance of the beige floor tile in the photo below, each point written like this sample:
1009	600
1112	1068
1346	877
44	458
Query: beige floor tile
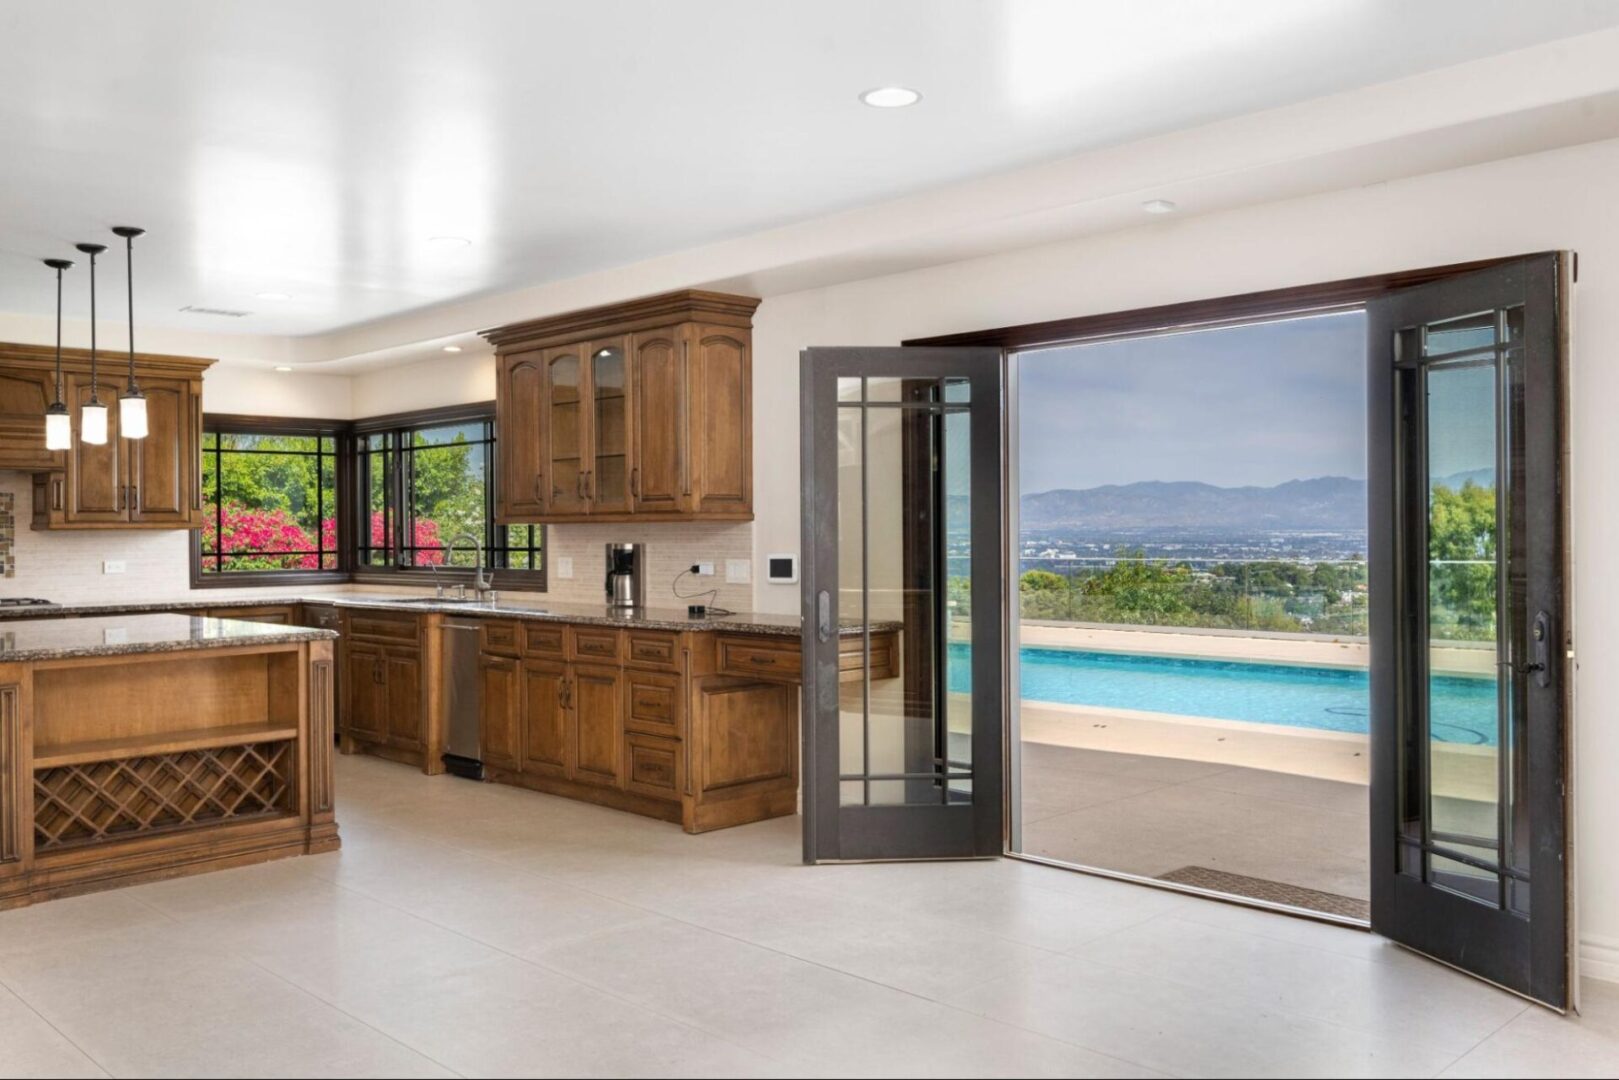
1541	1043
30	1047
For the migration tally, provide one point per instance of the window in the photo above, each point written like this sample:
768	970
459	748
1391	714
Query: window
427	480
378	499
271	501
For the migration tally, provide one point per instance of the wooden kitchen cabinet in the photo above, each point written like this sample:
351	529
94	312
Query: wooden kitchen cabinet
149	483
390	687
635	411
24	397
596	702
501	718
364	703
546	724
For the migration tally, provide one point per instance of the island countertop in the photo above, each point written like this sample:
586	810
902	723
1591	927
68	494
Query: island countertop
33	640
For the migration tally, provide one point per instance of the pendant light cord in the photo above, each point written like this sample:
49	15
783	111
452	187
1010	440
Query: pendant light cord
94	397
129	274
59	335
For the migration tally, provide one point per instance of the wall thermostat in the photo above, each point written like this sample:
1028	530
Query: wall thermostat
781	569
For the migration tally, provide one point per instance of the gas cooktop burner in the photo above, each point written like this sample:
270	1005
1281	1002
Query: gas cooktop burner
24	601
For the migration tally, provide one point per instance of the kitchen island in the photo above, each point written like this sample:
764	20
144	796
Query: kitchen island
140	747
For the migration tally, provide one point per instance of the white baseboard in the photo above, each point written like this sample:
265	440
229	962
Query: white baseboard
1599	959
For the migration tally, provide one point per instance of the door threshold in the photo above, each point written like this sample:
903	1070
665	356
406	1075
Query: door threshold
1311	914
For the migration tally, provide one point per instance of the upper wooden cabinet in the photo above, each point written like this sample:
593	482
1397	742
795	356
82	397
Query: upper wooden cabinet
641	410
150	483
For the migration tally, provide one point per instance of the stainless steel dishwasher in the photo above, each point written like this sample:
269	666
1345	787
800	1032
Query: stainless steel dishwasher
463	700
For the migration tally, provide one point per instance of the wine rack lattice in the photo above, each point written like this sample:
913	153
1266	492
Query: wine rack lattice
114	800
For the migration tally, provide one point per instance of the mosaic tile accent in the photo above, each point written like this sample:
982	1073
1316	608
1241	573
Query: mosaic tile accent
8	534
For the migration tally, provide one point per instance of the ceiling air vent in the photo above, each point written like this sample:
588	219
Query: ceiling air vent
227	312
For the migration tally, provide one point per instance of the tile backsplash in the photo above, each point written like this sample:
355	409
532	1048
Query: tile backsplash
8	533
67	566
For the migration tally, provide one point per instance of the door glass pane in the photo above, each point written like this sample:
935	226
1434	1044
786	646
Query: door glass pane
564	429
610	482
904	510
1465	702
957	653
851	593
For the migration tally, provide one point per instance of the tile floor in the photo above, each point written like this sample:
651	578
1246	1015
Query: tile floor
480	930
1148	815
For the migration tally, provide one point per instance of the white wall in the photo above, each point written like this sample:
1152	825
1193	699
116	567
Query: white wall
1560	199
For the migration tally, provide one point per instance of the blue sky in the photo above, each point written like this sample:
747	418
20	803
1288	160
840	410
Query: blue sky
1255	404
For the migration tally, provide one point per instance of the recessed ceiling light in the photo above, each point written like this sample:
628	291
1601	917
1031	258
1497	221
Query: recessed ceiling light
890	97
282	368
450	241
1158	206
272	296
452	348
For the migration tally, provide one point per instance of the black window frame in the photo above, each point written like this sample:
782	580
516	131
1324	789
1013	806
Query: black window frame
353	508
398	428
225	423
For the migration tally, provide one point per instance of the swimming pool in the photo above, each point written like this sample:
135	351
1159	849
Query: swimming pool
1327	699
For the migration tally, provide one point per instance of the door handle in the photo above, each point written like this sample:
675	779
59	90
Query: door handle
635	481
539	488
134	496
1540	633
823	616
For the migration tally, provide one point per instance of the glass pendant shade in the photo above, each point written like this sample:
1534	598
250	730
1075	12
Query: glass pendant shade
132	415
58	428
93	423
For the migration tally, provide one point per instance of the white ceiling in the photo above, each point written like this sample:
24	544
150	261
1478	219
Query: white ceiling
314	148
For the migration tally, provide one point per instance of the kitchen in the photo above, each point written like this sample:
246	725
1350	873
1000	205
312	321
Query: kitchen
509	518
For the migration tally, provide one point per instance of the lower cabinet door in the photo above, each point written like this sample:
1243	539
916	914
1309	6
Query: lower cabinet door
404	676
500	720
364	696
544	718
596	699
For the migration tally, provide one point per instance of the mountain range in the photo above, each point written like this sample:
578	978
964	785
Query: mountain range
1335	503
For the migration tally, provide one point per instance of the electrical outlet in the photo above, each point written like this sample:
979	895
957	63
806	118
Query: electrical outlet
112	566
705	569
564	567
738	571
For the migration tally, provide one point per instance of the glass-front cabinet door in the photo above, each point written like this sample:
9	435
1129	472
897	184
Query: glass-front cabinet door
608	482
903	705
1470	763
565	431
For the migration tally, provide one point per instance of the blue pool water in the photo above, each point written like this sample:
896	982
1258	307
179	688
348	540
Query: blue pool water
1328	699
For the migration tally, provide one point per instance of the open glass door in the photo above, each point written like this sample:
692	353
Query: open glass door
1469	675
902	592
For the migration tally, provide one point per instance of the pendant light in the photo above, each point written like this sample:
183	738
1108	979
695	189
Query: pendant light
93	414
58	421
131	403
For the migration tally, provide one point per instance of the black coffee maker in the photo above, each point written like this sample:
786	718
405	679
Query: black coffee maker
626	575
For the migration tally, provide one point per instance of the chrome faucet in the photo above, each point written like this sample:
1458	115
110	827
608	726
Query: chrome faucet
481	582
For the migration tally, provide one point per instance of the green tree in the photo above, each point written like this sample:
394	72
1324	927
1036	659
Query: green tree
1461	553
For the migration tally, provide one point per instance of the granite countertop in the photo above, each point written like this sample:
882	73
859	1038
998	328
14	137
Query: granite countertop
66	639
512	607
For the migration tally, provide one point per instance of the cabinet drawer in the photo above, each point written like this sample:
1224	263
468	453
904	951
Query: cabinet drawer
497	637
382	626
653	649
653	703
655	766
543	639
593	643
761	657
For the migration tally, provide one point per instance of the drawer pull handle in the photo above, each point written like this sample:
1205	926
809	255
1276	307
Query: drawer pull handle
762	661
